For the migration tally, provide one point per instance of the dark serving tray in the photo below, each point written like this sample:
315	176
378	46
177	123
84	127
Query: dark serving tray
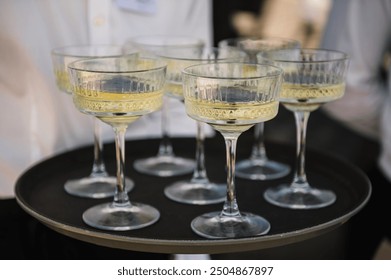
40	192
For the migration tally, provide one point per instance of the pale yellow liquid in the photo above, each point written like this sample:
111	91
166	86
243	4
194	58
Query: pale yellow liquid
309	97
174	90
62	80
231	117
174	86
117	108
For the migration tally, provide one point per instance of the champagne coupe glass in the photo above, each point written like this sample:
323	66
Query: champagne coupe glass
118	91
98	184
165	163
311	77
231	97
259	166
199	190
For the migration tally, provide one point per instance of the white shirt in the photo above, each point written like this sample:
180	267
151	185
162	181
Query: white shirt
37	120
362	29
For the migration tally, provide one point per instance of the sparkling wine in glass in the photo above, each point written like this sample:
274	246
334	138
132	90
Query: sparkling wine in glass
259	166
199	190
118	91
98	184
312	77
231	97
165	163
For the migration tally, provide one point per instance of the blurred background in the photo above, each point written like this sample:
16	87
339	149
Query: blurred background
302	20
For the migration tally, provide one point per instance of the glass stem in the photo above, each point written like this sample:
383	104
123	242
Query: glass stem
98	167
300	178
199	174
121	197
165	147
230	206
258	151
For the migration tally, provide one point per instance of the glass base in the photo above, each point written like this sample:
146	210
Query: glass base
95	187
107	216
164	166
255	169
196	193
215	226
299	197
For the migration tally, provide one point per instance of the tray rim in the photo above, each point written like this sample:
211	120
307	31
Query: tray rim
207	246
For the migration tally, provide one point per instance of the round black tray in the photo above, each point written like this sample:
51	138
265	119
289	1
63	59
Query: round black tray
40	192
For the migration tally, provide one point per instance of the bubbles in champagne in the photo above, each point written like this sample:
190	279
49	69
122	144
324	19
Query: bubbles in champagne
309	97
231	114
106	104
